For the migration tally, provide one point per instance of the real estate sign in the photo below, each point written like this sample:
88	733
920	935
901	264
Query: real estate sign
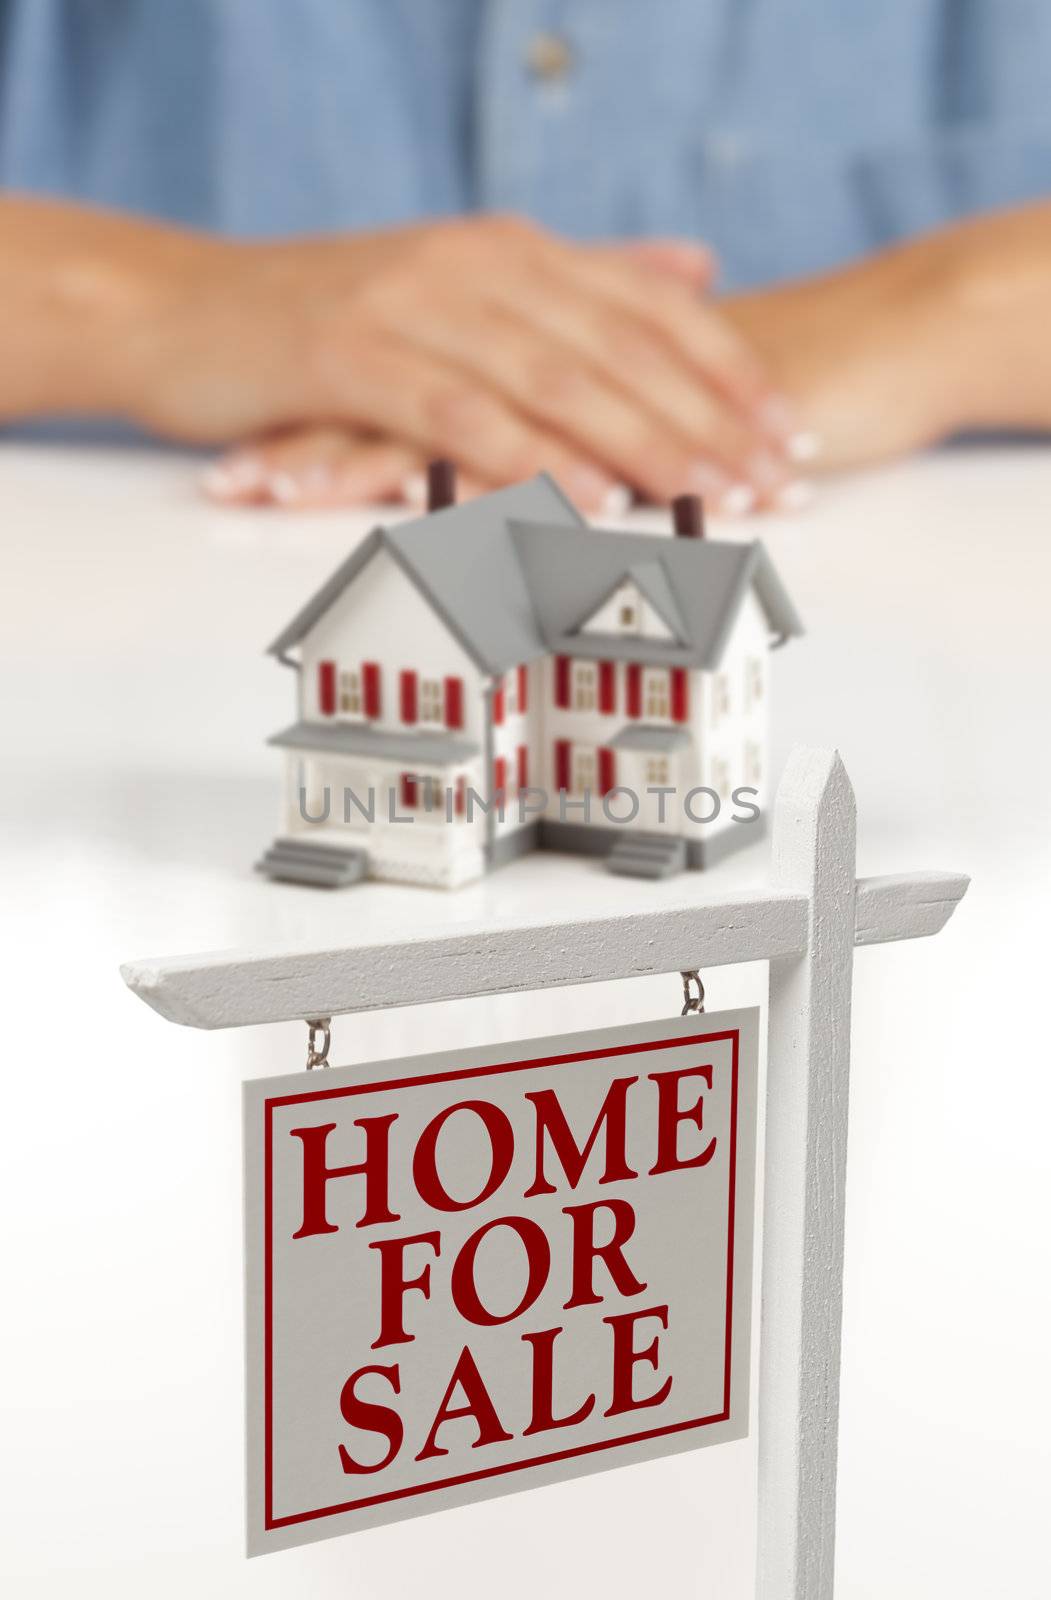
475	1272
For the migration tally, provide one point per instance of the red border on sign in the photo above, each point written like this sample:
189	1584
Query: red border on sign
270	1521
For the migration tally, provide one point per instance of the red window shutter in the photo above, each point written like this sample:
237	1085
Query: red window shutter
326	688
607	686
408	697
498	705
461	795
523	767
523	688
680	694
408	791
562	680
370	682
634	689
454	702
607	770
499	775
562	764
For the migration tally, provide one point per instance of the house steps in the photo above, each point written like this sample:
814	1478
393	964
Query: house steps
647	855
325	866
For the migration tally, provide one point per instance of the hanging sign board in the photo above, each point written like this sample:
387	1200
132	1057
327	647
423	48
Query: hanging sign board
480	1271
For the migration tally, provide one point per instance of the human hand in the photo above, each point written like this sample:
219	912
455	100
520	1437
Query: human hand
907	347
324	465
486	341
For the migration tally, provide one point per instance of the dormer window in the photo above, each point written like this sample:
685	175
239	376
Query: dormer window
350	694
628	616
432	705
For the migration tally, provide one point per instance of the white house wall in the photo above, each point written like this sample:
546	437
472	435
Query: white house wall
382	617
736	718
607	619
596	729
728	748
518	729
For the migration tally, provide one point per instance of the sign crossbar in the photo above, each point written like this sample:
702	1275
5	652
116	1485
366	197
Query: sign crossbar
239	988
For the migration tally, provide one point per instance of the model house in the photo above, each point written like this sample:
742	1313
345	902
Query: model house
499	676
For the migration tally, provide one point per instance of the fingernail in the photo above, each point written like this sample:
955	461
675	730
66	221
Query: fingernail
776	414
285	489
316	478
587	488
414	489
219	482
795	495
738	500
233	476
806	445
617	501
766	472
708	480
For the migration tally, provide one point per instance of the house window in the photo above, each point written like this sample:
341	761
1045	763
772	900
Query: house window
584	770
753	762
510	683
720	697
655	692
657	771
584	678
432	704
721	778
419	791
628	616
350	694
753	681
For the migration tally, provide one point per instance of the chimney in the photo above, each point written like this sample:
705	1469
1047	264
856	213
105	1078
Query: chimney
688	516
441	485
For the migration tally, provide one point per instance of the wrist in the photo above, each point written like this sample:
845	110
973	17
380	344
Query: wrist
989	307
158	302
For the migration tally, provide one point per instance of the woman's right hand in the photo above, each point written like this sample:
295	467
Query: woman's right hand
484	340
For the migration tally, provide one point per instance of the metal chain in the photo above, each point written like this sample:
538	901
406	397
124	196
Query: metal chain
692	1003
319	1027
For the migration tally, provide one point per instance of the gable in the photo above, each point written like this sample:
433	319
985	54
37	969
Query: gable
628	614
383	615
699	584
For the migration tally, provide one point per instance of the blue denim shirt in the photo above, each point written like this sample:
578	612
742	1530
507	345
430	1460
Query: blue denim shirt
791	134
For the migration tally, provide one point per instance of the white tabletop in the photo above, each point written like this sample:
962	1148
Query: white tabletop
138	791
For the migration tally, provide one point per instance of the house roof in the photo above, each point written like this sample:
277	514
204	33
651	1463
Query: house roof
651	737
708	579
515	574
464	560
432	749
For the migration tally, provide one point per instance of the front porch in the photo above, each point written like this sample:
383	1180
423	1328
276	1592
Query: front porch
359	803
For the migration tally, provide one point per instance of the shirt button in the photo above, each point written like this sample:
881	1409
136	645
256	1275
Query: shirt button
549	57
727	151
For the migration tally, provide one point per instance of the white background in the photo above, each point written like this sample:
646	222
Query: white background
136	793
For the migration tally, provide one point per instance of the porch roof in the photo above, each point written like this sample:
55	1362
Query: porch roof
651	737
432	749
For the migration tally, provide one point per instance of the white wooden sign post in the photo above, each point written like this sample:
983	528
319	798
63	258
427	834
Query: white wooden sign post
806	925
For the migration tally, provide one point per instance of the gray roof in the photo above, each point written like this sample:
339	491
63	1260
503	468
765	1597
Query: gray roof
464	561
361	739
515	574
650	737
708	579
